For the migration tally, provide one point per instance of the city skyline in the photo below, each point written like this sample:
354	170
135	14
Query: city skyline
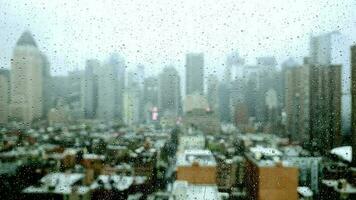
143	33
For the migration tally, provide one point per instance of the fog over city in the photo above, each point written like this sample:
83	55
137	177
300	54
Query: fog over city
178	100
158	33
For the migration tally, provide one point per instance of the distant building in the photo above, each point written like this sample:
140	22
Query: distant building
325	106
26	80
297	102
353	92
48	101
89	88
4	95
224	112
198	114
107	90
150	98
194	69
73	93
169	97
212	94
131	106
333	49
132	100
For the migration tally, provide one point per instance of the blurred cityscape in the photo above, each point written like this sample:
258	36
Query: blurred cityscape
103	133
263	131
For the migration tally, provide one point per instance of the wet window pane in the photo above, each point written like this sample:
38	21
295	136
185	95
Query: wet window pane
178	99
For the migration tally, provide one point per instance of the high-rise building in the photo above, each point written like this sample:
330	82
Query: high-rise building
150	95
73	93
4	95
194	77
111	84
266	79
297	102
333	49
48	101
224	102
26	80
353	92
169	98
120	62
107	93
325	106
132	100
89	88
212	96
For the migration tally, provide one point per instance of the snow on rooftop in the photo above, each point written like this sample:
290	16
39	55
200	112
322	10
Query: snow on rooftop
183	190
305	191
200	156
61	182
344	152
266	151
120	182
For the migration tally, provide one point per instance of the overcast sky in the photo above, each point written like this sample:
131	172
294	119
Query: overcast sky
157	33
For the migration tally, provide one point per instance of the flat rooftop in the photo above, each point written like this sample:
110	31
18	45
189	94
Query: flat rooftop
200	156
184	190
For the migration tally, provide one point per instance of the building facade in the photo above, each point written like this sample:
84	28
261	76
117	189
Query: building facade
4	95
26	81
194	77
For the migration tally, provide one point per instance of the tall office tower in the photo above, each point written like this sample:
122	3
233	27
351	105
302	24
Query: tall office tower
213	87
26	80
73	93
150	95
131	114
353	92
333	49
325	106
169	98
139	76
297	102
107	91
119	62
4	95
48	101
194	77
224	102
89	88
267	78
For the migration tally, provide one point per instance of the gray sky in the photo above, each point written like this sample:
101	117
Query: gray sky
157	33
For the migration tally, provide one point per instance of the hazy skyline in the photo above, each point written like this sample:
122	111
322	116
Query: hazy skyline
159	33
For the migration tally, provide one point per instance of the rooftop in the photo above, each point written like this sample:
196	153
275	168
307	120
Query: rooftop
183	190
61	182
202	157
26	39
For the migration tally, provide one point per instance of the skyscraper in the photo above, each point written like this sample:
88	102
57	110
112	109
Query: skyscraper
111	84
4	95
325	106
212	96
26	80
353	92
89	88
194	77
150	94
132	100
107	91
297	102
333	49
169	98
48	101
